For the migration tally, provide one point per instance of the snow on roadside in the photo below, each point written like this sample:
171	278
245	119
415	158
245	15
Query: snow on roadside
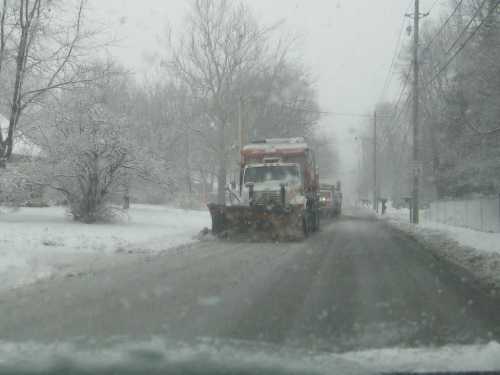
39	242
478	252
119	352
445	359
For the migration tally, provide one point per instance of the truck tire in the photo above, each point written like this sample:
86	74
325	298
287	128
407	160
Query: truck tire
305	227
315	223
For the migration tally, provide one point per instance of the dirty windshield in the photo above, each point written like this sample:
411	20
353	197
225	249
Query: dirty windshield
252	184
272	173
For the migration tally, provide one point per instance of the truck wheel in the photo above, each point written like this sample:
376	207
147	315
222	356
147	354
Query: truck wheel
305	227
318	222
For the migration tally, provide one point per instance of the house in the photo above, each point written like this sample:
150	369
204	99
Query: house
22	145
14	188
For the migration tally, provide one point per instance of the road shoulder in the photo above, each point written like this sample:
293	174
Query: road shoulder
483	267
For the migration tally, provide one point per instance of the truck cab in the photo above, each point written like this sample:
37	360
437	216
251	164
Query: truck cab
278	192
325	201
330	200
264	183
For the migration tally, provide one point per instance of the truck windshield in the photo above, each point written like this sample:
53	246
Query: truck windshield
272	173
325	194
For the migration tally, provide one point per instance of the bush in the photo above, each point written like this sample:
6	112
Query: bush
15	188
87	157
188	202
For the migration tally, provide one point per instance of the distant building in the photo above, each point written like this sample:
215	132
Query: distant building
22	145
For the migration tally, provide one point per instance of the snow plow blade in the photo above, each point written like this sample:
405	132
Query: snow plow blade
257	222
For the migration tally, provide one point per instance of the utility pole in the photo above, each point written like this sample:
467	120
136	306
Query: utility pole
416	19
375	195
415	165
240	136
240	121
360	180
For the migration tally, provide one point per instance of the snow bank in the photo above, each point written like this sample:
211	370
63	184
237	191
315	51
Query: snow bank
444	359
479	252
234	356
37	242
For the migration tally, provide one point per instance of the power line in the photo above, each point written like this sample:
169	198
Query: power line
326	113
394	56
405	84
403	108
320	112
294	107
433	5
440	30
346	114
399	111
396	124
462	46
462	33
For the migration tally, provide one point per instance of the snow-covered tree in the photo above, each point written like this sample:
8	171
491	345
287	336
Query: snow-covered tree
42	45
459	105
86	153
236	67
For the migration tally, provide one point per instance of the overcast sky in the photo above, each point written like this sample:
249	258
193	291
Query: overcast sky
346	44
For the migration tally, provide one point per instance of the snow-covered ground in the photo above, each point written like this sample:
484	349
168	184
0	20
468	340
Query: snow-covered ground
479	252
223	355
484	357
41	242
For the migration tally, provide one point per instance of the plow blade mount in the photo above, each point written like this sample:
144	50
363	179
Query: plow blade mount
275	223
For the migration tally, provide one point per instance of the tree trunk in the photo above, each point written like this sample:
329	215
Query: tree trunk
203	179
188	164
221	185
126	198
15	109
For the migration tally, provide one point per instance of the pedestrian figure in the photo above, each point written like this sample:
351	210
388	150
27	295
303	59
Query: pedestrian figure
384	205
126	201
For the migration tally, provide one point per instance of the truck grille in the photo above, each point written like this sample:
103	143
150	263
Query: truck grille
265	198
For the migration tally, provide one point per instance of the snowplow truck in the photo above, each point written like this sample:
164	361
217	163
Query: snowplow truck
330	200
326	200
278	193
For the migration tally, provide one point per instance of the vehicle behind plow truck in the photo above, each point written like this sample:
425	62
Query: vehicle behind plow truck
278	195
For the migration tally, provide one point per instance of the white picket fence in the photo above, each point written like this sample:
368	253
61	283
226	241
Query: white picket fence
480	214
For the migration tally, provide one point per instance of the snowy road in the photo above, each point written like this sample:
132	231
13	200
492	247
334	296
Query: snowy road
358	284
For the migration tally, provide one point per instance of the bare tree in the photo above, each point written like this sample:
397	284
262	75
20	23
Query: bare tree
459	102
43	56
3	36
87	152
222	43
226	58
